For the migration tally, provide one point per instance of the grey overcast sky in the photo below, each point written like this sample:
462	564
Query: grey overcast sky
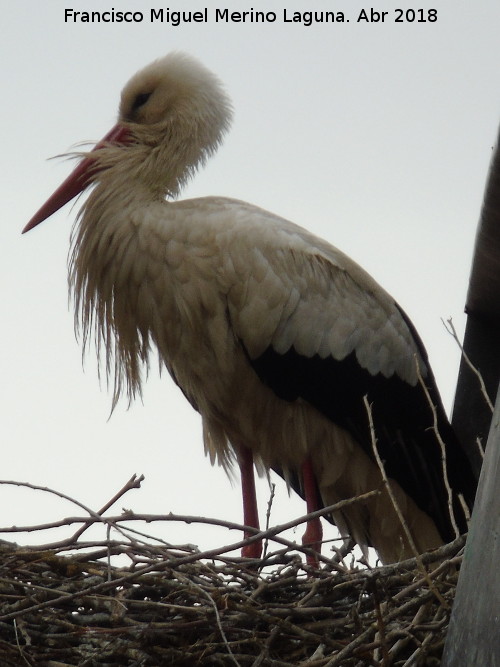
374	135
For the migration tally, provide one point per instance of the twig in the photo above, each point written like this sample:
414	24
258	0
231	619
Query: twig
46	489
133	483
272	488
380	622
272	533
385	479
450	328
442	447
480	447
20	649
395	504
209	554
216	612
278	619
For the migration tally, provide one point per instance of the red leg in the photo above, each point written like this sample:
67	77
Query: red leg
250	511
314	531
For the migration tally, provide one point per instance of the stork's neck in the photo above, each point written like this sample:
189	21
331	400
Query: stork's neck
113	217
141	172
107	268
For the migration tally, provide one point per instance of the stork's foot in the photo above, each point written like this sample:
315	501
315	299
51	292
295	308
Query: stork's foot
250	511
312	538
253	550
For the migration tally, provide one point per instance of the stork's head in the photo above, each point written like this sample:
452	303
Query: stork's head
173	114
174	92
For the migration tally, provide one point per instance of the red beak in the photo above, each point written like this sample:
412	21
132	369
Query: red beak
78	179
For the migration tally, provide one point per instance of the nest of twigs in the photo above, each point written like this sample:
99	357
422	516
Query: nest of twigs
69	605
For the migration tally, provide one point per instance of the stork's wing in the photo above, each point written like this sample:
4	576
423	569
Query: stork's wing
317	327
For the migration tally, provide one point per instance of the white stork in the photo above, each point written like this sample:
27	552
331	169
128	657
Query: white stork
272	334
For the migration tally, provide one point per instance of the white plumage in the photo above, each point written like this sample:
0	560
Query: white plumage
273	335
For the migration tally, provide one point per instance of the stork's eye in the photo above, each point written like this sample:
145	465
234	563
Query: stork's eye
139	101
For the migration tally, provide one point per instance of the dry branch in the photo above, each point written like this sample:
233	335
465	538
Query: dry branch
177	605
450	328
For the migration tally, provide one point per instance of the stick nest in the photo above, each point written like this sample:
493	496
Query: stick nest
69	605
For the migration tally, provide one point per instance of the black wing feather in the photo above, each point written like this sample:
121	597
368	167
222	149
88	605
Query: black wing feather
403	420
